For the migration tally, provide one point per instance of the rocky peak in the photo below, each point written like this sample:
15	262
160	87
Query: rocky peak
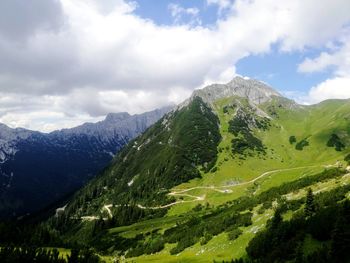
122	123
8	134
255	91
8	140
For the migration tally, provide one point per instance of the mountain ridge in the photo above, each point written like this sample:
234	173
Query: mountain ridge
255	91
34	164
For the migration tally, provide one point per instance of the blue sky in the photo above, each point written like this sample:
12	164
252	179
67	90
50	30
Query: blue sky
280	69
80	60
161	14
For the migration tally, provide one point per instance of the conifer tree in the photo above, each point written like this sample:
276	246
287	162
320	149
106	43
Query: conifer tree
340	245
310	204
276	219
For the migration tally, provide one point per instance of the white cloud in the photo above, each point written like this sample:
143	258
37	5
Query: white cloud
104	58
44	121
223	77
177	10
179	13
50	112
335	88
338	62
322	62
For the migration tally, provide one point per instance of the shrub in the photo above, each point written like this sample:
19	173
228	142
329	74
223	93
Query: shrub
347	159
292	139
334	141
300	145
234	234
206	238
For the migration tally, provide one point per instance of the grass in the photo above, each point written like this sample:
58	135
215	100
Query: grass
276	179
144	227
219	248
64	252
315	123
320	187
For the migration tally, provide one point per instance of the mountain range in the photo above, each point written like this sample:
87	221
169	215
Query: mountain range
37	168
236	173
203	180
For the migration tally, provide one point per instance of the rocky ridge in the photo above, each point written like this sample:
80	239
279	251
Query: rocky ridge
254	91
38	168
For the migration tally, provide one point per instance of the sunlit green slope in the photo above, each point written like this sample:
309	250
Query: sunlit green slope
282	161
200	183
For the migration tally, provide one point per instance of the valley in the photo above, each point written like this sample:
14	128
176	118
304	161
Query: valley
219	247
225	172
174	131
227	189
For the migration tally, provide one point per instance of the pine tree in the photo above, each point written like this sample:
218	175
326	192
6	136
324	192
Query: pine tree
340	245
299	256
74	256
310	204
276	219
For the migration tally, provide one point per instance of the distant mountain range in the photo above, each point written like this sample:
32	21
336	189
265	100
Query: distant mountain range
37	169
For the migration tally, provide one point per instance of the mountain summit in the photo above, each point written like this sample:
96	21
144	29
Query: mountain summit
253	90
122	124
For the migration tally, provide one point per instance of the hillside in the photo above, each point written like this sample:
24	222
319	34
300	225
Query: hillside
37	169
236	172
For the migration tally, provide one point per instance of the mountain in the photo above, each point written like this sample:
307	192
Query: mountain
185	144
236	173
37	169
254	91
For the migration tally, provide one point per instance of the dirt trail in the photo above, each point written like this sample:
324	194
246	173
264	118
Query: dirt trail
108	209
221	189
89	218
182	192
226	187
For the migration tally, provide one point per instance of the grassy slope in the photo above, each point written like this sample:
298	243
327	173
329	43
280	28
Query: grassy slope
315	123
167	154
220	248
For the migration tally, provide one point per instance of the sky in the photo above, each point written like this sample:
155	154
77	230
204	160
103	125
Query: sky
65	62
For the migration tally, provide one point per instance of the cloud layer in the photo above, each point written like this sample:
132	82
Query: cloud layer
81	59
338	62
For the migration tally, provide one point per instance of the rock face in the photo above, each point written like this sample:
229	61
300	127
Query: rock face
37	169
255	91
122	124
8	138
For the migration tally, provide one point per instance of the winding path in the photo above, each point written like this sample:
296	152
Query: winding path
183	192
222	189
225	187
108	209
